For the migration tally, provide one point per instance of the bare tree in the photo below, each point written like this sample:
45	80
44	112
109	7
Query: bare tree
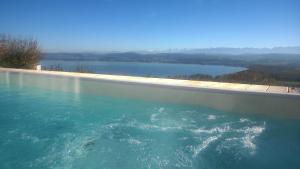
19	52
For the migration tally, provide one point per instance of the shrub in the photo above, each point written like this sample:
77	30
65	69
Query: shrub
19	52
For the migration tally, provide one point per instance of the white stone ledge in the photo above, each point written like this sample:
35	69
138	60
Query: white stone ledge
237	87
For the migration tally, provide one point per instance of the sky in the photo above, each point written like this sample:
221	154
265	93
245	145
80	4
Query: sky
133	25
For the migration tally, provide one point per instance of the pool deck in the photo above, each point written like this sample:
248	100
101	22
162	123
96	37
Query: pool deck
237	87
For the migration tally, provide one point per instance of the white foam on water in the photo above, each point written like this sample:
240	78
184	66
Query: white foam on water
160	110
74	149
13	131
160	162
250	134
183	138
31	138
211	117
67	149
153	127
244	136
232	139
242	120
134	141
182	160
247	142
204	145
226	128
143	126
153	117
156	127
242	139
61	157
112	125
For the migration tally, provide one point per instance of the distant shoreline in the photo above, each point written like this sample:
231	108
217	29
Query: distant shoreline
273	69
146	69
243	60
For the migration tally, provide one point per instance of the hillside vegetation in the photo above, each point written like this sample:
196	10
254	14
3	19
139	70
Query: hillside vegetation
19	52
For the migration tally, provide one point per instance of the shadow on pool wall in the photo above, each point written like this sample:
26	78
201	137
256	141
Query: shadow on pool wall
231	101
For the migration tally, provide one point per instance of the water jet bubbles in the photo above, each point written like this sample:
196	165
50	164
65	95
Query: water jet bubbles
211	117
160	110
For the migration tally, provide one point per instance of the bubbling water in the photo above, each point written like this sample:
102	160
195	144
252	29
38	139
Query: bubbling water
83	131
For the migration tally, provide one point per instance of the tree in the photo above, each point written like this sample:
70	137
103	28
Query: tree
19	52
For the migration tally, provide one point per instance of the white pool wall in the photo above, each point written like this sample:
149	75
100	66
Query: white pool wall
239	98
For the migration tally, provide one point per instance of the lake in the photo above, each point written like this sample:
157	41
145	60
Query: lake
141	69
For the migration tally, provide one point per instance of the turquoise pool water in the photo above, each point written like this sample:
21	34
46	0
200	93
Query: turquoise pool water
58	130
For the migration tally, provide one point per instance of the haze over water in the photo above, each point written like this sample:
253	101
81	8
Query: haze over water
142	69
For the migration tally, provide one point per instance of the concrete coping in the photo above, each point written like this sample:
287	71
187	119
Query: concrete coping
238	87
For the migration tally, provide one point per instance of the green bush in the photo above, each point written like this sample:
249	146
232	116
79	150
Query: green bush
19	52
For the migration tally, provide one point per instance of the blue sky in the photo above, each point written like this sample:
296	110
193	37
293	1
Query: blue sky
126	25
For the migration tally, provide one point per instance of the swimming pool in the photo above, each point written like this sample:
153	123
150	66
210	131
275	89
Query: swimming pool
64	123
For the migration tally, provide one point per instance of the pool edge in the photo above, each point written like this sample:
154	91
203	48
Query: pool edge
174	83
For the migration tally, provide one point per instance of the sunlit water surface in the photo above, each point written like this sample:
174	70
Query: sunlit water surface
140	69
56	130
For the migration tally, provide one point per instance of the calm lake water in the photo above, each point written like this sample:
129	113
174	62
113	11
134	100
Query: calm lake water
142	69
